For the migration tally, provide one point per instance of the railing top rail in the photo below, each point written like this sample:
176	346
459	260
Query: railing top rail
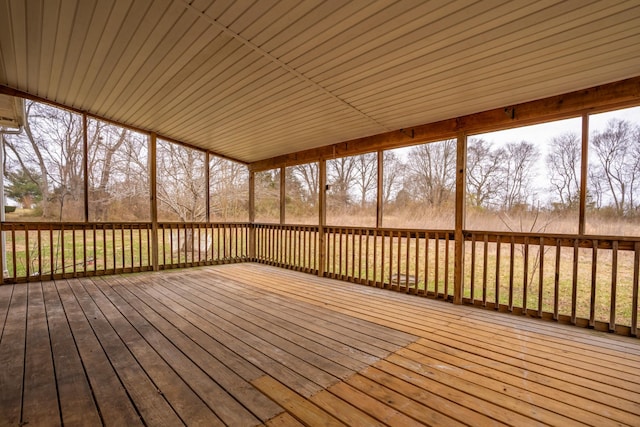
469	233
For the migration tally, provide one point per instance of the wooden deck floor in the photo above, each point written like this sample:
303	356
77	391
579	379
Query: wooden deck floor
248	344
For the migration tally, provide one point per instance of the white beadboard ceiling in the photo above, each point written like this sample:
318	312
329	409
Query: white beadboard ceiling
256	79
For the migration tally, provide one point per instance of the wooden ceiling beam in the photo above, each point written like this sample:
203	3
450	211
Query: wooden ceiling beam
596	99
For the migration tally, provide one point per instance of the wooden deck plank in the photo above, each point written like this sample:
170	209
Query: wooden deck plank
210	343
352	325
327	371
203	320
12	349
307	333
170	312
298	406
284	420
110	395
409	403
258	339
191	409
381	340
572	383
519	385
40	395
145	395
343	410
337	298
5	301
191	361
375	408
77	404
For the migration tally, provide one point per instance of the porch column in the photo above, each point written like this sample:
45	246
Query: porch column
584	164
154	200
379	194
322	215
207	183
283	194
85	167
252	215
461	161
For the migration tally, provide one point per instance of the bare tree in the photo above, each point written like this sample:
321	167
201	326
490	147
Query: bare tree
563	165
431	171
366	176
392	176
267	199
617	162
181	182
340	175
483	173
518	169
52	145
308	176
229	190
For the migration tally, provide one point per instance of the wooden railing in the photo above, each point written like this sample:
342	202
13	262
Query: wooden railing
419	262
288	246
589	281
39	251
413	261
193	244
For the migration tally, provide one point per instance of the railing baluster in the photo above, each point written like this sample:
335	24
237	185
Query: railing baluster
485	256
406	267
426	263
594	270
497	281
511	268
634	297
353	254
366	255
84	248
574	281
104	246
73	244
51	251
541	276
123	246
556	282
472	278
375	258
26	253
446	266
525	276
437	266
40	250
416	272
614	286
360	255
391	259
382	260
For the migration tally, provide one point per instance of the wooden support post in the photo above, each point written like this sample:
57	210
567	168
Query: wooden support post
322	216
252	215
207	183
584	164
85	166
379	198
461	161
283	193
153	191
